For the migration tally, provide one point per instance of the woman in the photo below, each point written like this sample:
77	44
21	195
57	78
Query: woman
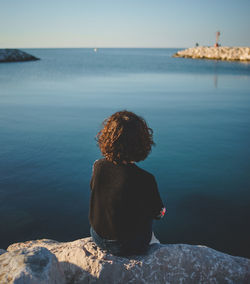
124	198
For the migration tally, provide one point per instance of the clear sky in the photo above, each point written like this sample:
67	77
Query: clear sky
123	23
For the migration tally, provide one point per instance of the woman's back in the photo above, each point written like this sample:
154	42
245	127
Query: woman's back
124	200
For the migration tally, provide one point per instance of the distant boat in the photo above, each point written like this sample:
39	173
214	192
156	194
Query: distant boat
95	49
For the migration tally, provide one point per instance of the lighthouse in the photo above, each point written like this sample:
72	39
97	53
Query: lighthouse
217	39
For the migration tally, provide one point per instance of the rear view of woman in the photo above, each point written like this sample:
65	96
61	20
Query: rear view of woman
124	198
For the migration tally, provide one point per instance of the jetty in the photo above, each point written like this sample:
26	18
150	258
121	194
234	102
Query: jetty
15	55
216	53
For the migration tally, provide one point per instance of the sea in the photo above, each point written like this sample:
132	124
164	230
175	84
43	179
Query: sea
199	110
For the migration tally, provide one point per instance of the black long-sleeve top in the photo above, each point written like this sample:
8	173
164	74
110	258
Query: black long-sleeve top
124	200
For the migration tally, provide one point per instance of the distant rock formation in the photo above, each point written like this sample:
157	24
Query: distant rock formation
81	261
216	53
15	55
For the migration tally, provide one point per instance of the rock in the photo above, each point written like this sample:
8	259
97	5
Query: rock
83	262
217	53
15	55
30	266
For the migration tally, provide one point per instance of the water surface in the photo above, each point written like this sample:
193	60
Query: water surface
51	110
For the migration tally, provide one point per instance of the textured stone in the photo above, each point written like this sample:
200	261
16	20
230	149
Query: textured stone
15	55
83	262
30	266
216	53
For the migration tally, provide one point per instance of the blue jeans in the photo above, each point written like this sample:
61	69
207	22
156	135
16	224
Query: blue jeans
138	245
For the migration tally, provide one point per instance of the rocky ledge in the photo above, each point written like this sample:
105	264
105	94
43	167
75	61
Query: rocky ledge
216	53
81	261
15	55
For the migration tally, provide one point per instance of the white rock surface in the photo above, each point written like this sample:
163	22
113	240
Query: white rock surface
83	262
30	266
217	53
15	55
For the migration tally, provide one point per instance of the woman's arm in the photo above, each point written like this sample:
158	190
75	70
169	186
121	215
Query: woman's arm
158	208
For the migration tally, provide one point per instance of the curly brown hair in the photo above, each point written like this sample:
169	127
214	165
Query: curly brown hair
125	137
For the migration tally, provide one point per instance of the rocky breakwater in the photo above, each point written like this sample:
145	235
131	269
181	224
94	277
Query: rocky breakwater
15	55
81	261
216	53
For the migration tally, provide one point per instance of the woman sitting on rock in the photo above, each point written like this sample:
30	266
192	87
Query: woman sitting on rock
124	198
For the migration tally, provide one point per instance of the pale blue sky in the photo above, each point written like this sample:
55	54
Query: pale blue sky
123	23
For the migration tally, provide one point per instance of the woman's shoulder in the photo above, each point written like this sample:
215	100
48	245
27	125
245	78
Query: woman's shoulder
145	173
100	162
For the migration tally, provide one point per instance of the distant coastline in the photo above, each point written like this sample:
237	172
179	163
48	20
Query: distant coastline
216	53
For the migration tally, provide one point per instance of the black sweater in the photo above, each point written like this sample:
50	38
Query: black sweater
124	200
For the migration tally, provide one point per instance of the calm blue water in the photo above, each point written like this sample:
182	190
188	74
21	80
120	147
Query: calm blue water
51	110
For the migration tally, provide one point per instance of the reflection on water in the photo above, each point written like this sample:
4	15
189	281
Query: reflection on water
51	110
215	81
